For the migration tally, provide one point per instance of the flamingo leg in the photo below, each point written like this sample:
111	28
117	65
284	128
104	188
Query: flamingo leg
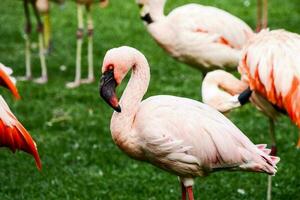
190	192
44	77
76	82
90	27
183	191
298	144
264	21
273	153
28	74
273	138
259	15
47	33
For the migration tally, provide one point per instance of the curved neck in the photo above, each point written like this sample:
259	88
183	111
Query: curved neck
155	9
132	96
219	89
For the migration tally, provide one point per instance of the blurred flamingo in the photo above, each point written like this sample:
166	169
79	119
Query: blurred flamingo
80	33
204	37
179	135
12	134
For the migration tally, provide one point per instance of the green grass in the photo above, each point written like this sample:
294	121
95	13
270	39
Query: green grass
71	127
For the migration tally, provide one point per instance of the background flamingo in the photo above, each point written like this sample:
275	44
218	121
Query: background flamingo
180	135
12	134
202	36
80	33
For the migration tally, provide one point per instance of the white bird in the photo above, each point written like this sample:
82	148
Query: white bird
179	135
204	37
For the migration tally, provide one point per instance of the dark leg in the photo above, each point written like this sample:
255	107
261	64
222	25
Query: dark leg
183	191
259	16
265	14
44	77
298	144
28	31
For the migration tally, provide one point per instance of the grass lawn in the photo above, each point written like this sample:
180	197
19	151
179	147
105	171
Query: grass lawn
71	127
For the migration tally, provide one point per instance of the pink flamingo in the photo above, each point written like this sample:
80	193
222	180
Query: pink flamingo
12	134
269	66
179	135
204	37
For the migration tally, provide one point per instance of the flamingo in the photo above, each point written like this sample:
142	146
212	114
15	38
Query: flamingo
270	57
80	33
179	135
12	133
204	37
270	78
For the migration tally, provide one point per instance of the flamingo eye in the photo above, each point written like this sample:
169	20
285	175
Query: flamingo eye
110	67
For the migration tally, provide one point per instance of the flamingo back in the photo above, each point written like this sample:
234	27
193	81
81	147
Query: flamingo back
270	64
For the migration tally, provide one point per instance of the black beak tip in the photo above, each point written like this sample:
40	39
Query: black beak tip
118	109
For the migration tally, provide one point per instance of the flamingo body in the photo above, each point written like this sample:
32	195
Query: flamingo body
202	36
191	139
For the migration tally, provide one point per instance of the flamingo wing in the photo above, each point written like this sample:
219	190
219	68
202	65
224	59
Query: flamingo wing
270	63
8	81
212	23
197	137
13	135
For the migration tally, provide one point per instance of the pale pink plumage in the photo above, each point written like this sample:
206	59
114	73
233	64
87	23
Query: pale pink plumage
180	135
202	36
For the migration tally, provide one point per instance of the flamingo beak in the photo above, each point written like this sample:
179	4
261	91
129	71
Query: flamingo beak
107	90
6	81
245	96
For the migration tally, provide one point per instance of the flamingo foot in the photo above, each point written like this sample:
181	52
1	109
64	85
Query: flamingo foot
273	150
24	78
87	81
72	85
41	80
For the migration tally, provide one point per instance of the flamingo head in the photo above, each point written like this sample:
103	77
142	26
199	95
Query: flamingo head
116	64
8	81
